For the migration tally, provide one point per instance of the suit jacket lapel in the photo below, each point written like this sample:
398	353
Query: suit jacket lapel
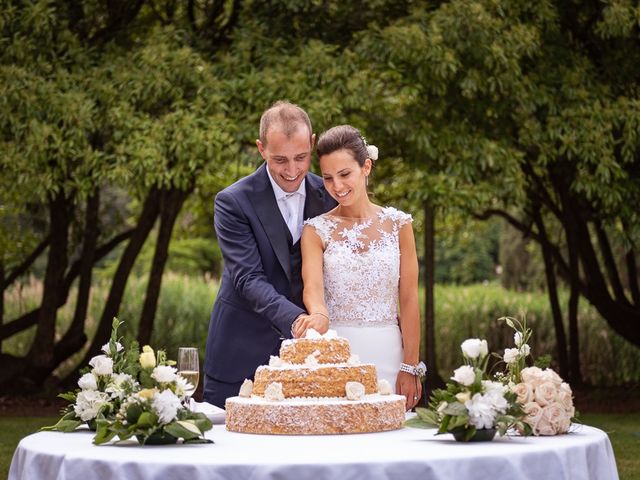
266	206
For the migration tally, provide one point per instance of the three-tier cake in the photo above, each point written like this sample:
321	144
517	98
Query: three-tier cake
315	387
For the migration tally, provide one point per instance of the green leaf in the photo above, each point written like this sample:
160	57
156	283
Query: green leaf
64	425
147	419
417	422
182	429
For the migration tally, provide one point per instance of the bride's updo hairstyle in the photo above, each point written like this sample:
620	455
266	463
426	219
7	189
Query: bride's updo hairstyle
346	137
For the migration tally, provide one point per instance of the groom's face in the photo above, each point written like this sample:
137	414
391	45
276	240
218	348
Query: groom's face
288	157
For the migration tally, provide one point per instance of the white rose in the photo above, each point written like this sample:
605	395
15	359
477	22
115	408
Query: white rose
106	350
510	355
88	382
354	390
102	365
166	405
246	389
525	350
464	375
88	403
524	393
545	393
481	411
164	374
474	348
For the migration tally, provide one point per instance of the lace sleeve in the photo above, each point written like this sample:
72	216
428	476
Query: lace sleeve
323	227
397	216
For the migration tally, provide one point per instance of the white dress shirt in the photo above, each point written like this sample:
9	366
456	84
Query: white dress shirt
291	206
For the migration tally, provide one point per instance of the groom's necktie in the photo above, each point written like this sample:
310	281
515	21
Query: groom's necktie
292	203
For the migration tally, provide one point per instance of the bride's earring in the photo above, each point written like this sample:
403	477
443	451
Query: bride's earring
366	180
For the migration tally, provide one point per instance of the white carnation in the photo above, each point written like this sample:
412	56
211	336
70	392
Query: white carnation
164	374
120	385
88	382
464	375
88	403
481	411
166	405
102	365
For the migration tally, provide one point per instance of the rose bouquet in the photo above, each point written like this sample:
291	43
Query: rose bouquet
473	406
546	400
126	393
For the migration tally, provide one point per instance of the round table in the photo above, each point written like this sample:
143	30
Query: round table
404	454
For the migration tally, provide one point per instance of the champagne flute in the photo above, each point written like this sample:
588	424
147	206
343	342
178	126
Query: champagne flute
188	367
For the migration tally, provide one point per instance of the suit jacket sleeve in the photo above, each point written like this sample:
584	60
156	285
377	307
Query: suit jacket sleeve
242	259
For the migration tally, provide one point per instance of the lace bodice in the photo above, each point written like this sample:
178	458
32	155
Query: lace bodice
361	267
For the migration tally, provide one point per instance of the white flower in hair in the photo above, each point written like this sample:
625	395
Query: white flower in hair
372	152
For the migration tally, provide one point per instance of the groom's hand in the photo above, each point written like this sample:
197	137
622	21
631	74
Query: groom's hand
319	323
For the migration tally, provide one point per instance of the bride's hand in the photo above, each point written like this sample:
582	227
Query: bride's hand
318	322
409	386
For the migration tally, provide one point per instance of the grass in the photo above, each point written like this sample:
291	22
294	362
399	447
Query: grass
623	431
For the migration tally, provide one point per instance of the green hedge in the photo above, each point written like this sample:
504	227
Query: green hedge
461	312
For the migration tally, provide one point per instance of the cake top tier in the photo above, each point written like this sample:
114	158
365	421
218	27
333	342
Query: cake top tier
327	348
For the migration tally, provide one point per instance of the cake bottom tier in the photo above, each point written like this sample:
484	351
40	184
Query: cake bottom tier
375	413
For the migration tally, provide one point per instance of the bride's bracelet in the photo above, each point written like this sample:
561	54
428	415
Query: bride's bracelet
419	370
321	314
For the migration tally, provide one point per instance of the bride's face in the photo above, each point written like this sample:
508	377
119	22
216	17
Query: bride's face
344	178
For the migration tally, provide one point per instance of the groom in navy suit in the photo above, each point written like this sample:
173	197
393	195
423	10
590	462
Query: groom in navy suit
258	222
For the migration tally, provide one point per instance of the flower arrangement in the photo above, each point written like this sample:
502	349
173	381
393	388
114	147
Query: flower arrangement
473	406
528	399
126	393
546	400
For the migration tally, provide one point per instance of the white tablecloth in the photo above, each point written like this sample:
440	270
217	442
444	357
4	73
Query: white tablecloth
406	454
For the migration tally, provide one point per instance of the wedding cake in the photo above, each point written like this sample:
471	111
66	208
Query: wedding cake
315	387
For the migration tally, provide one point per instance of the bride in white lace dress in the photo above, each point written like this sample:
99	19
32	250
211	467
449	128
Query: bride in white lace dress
360	268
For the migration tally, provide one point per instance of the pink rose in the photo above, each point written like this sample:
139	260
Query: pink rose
543	427
545	393
554	413
533	412
524	391
532	376
549	375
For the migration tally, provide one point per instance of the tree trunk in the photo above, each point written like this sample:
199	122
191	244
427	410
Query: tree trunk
1	299
41	353
433	380
552	288
570	217
170	206
31	318
146	221
75	336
